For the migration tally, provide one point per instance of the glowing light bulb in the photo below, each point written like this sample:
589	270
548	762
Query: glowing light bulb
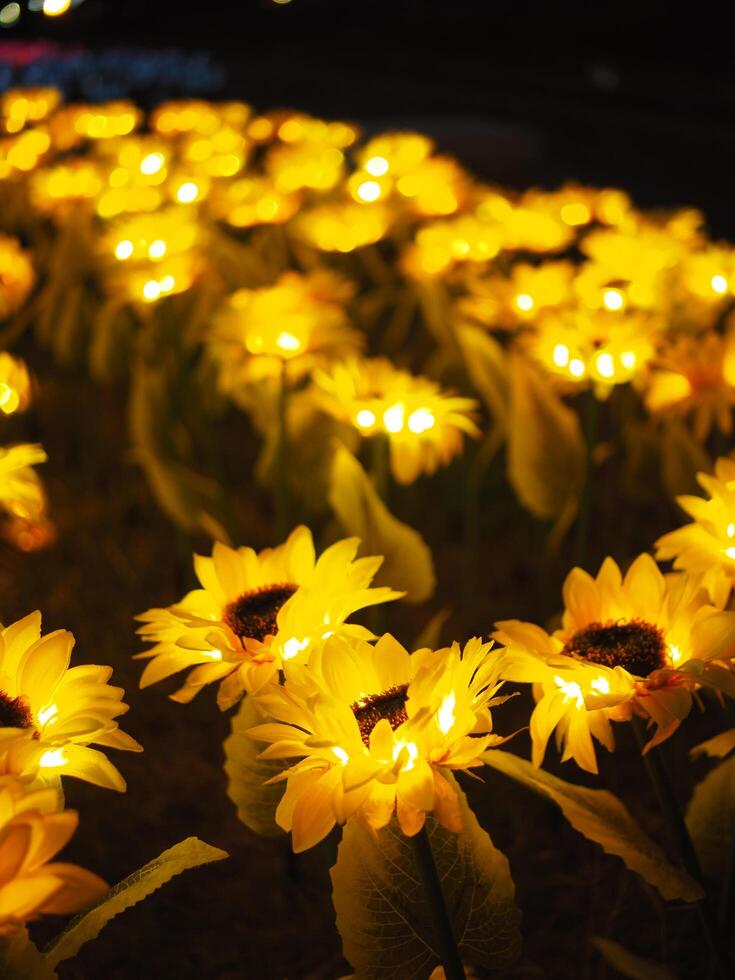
571	690
393	418
730	552
576	367
377	166
675	654
601	685
613	299
293	646
124	250
187	193
524	302
731	530
341	754
53	759
151	164
407	751
54	8
560	355
421	421
48	714
157	249
151	290
287	342
605	365
365	419
369	191
719	284
445	714
628	359
9	14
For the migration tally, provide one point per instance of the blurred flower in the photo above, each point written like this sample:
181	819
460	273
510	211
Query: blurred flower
76	180
424	425
22	153
16	275
342	226
19	107
705	549
31	884
73	124
255	612
15	384
377	728
197	116
21	492
498	301
442	244
312	165
299	318
638	644
253	200
50	712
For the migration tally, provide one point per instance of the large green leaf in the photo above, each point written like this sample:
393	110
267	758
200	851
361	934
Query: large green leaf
603	818
246	774
630	965
21	960
189	853
382	914
408	565
711	819
717	747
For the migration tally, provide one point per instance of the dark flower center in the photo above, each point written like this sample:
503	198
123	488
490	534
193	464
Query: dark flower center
14	712
253	615
637	646
391	704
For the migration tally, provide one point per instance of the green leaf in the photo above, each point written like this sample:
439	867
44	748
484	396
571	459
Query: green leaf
545	447
408	565
485	362
189	853
717	747
711	818
256	803
21	960
381	911
603	818
682	457
630	965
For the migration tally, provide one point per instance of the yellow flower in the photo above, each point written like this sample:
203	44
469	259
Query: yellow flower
298	319
695	376
257	611
376	728
253	200
424	425
16	276
15	384
629	644
706	548
20	488
342	226
31	884
509	302
50	712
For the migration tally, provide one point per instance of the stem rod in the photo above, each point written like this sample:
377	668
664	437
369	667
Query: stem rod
282	501
440	920
672	811
590	413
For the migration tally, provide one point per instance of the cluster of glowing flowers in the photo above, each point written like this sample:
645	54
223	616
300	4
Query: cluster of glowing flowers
74	124
297	127
221	154
22	153
21	492
16	275
22	107
593	347
304	166
74	181
635	644
257	611
498	301
377	730
439	245
423	424
524	226
342	226
15	384
51	713
705	549
32	884
297	319
695	376
708	275
172	119
252	200
579	206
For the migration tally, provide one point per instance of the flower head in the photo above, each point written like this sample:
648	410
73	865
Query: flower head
424	425
15	384
21	492
257	611
16	275
51	713
629	644
375	728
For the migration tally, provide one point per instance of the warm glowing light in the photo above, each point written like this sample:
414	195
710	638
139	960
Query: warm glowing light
287	342
605	365
719	284
213	654
9	14
571	690
575	214
613	299
151	290
524	302
187	193
393	418
407	751
369	191
293	647
445	714
731	530
560	355
421	421
151	164
48	714
730	552
628	359
124	249
53	759
601	685
377	166
54	8
157	249
675	653
576	367
365	419
341	754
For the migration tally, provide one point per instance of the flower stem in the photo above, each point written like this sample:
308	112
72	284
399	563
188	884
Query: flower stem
440	920
379	465
590	413
282	501
669	805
